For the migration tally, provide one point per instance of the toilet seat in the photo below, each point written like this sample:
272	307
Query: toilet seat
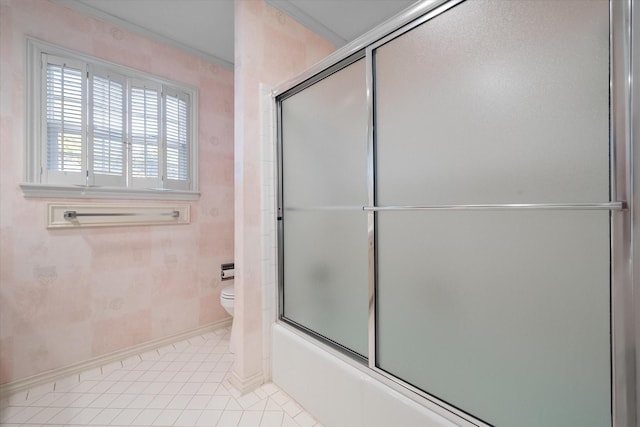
228	293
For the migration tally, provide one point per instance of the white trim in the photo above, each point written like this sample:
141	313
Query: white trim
31	190
96	13
308	21
245	385
36	184
96	362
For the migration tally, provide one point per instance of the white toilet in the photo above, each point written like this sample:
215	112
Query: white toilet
227	297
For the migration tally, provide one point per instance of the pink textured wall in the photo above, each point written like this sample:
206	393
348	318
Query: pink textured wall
270	49
70	295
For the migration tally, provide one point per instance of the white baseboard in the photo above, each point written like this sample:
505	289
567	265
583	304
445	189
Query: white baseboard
96	362
245	385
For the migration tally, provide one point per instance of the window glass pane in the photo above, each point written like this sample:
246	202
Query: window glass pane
108	126
144	132
176	132
64	118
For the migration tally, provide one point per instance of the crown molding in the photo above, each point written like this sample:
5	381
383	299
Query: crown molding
307	20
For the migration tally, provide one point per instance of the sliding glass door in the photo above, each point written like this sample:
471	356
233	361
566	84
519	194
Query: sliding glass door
506	309
324	186
453	209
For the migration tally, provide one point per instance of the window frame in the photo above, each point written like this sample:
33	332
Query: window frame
36	177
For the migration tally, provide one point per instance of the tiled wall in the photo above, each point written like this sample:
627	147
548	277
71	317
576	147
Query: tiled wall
70	295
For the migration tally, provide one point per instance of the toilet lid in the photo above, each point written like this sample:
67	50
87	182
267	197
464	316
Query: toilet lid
228	292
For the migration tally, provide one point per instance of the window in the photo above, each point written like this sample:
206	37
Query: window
103	130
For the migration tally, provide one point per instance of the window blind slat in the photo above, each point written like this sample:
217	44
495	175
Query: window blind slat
108	126
64	118
177	138
144	132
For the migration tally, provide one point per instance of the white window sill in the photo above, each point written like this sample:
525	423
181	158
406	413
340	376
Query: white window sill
82	192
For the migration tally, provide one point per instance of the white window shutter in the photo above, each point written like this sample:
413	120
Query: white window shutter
65	159
176	133
107	115
144	134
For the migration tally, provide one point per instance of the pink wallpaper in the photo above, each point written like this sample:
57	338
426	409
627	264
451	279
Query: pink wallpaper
70	295
270	49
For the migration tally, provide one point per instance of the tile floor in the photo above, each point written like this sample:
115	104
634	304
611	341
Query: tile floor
183	384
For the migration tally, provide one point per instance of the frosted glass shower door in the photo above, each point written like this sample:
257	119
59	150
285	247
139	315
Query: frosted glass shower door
324	180
501	313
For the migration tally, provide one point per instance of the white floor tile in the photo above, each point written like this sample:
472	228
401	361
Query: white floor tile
149	375
137	387
125	417
85	416
210	389
271	419
131	361
287	421
120	386
191	388
18	399
260	406
188	418
208	418
90	374
182	377
146	417
229	419
199	402
103	401
47	399
280	398
185	384
122	401
85	386
233	405
65	415
43	416
291	408
305	420
40	390
179	402
67	383
106	416
24	415
160	401
150	355
172	388
248	400
250	419
7	413
218	402
273	406
102	386
84	400
167	417
155	387
141	401
107	369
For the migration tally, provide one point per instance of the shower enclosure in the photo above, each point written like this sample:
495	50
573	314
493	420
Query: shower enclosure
453	209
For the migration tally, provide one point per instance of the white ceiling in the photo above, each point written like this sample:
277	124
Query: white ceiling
205	27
